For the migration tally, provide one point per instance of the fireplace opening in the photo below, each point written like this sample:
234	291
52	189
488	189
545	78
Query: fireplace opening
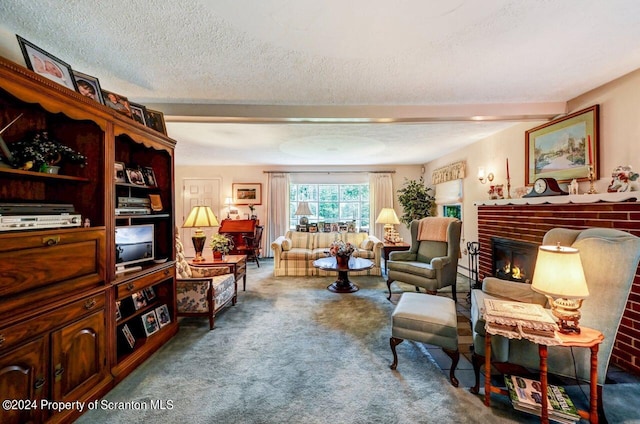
513	260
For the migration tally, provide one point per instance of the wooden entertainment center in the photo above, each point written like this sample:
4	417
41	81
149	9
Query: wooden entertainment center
63	307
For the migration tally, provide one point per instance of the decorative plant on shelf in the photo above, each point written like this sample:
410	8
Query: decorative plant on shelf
39	153
416	200
221	244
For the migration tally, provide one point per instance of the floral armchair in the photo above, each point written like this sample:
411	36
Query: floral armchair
202	291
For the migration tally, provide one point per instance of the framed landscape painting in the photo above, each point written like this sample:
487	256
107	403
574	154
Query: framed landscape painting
247	194
564	148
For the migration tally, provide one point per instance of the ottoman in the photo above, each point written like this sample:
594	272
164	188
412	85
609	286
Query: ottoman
428	319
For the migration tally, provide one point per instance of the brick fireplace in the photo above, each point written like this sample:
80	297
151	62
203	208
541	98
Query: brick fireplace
528	223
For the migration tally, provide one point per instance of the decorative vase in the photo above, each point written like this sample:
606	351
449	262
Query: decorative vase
217	256
343	261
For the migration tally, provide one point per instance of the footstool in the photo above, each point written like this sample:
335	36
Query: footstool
428	319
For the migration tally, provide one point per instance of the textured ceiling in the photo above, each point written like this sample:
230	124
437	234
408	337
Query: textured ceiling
215	67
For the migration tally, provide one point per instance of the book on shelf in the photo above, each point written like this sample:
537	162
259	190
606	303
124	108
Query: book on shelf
526	396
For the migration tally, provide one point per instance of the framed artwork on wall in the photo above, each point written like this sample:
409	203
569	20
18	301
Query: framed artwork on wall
564	148
247	193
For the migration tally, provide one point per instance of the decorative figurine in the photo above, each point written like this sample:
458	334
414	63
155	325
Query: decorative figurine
623	179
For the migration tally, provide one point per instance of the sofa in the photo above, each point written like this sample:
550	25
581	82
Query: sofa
294	253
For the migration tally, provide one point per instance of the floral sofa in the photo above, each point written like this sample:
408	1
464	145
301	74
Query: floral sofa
294	253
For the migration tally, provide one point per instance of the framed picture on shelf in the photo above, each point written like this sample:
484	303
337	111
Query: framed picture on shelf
149	176
88	86
150	323
118	313
155	119
46	64
134	176
564	148
119	175
138	113
247	193
149	293
128	335
117	102
327	227
139	300
164	318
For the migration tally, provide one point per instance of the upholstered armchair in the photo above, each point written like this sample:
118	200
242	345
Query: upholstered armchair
432	261
202	291
610	260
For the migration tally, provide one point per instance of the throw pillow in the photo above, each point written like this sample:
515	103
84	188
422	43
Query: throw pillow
367	244
286	244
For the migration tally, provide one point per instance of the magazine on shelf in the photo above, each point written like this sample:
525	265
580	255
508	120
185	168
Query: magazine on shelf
526	396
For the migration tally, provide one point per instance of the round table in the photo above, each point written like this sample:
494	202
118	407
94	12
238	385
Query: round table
342	284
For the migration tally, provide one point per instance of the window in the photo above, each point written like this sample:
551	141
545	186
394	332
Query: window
331	204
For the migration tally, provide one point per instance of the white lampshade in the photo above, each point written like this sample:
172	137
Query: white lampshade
201	216
559	274
387	216
303	209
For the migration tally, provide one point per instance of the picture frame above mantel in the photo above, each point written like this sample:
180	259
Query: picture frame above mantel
564	148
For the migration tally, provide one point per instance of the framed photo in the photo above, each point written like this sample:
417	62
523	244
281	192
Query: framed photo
150	323
88	86
247	194
149	293
117	102
155	119
134	176
139	301
313	228
129	336
149	176
156	202
327	227
138	113
564	148
46	64
119	175
164	318
118	313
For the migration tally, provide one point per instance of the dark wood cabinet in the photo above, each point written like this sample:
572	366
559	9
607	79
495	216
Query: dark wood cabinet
59	290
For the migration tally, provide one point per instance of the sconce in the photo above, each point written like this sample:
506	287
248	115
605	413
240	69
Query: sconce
484	178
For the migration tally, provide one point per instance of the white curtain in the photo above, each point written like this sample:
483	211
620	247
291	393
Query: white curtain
277	209
381	194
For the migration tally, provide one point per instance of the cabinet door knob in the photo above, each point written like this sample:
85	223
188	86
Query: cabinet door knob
90	303
39	383
51	241
130	286
2	339
166	272
58	372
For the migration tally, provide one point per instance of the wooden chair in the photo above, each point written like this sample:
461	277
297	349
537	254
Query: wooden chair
253	245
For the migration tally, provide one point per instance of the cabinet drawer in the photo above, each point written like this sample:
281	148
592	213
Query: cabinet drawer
128	288
37	260
16	334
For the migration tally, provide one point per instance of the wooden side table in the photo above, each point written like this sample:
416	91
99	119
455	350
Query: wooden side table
236	263
588	338
392	247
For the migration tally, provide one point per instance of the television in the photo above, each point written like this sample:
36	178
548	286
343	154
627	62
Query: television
134	245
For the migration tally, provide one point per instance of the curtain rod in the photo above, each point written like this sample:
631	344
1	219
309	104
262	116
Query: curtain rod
328	172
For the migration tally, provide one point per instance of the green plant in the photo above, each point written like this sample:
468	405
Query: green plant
221	243
42	151
416	200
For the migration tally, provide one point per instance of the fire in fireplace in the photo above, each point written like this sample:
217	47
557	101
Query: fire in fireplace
513	260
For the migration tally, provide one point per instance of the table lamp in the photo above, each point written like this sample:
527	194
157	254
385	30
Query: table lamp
389	218
559	275
199	217
303	210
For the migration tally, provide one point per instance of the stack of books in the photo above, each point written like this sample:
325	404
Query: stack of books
526	396
520	320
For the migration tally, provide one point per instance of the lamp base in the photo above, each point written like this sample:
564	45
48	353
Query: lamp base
568	315
198	244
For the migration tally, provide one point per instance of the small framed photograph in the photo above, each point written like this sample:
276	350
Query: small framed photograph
139	300
128	335
138	113
46	64
149	176
88	86
313	228
150	323
149	293
335	227
164	318
327	227
119	175
118	313
247	193
134	176
117	102
156	202
155	120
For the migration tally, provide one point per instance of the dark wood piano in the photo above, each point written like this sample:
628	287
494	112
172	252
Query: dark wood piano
237	229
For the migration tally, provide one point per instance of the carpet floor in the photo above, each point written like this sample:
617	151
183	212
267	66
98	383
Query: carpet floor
290	351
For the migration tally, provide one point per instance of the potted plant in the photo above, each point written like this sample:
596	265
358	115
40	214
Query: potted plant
416	200
221	245
41	153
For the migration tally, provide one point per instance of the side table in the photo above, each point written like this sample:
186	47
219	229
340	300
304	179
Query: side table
236	263
392	247
588	338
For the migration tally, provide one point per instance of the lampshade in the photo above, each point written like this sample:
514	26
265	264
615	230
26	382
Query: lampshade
303	209
387	216
201	216
559	274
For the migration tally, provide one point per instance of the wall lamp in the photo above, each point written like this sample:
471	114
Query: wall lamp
484	178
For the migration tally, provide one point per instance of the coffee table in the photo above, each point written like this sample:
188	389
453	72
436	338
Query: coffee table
342	284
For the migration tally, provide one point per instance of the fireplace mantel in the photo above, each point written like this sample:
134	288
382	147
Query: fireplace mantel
572	198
